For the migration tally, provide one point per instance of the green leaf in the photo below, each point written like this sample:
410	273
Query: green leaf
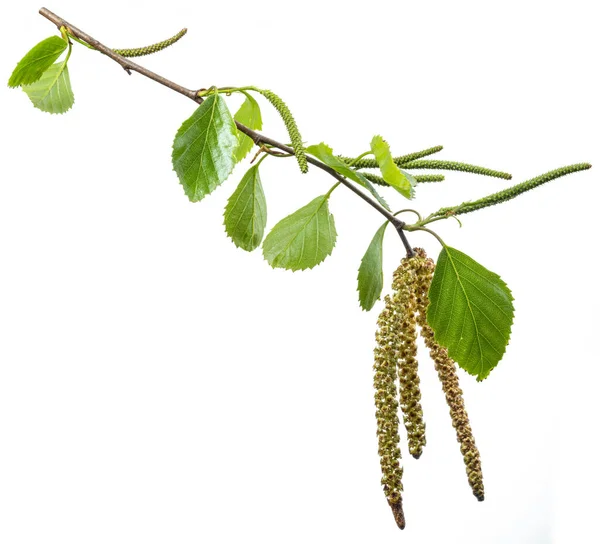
249	115
325	154
52	92
392	175
303	239
370	272
246	212
203	148
31	67
471	312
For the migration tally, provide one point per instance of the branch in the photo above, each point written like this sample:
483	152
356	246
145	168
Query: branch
259	139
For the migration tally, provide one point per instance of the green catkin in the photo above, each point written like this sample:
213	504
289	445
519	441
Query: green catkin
386	404
430	178
457	166
372	163
154	48
446	369
374	178
511	192
290	125
410	392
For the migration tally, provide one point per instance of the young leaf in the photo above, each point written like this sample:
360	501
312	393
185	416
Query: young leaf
246	212
325	154
471	312
31	67
203	148
52	92
303	239
249	115
370	272
392	175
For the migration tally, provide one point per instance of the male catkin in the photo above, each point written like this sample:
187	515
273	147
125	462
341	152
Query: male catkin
386	404
404	285
446	369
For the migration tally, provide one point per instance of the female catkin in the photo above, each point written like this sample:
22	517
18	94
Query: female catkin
446	369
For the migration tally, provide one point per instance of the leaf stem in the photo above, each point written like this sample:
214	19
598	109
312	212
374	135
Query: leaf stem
410	210
362	155
424	229
333	187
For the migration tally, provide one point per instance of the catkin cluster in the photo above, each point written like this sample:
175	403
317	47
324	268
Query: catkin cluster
397	384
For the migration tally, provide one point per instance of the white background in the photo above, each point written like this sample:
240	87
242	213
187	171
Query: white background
159	385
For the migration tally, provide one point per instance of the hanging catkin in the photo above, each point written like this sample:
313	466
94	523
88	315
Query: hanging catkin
446	369
386	404
404	285
290	125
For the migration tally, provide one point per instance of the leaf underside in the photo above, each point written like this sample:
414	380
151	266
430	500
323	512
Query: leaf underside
471	312
39	58
370	272
204	146
246	212
52	93
303	239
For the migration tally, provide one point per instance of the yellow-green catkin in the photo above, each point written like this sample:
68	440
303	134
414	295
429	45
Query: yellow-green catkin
446	369
149	49
386	404
290	124
405	306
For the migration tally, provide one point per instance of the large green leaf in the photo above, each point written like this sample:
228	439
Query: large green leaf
370	272
31	67
250	116
325	154
303	239
52	92
203	148
246	212
390	172
471	312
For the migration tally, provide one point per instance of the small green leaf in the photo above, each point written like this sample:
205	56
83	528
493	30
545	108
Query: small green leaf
52	92
325	154
203	148
31	67
392	175
249	115
471	312
303	239
370	272
246	212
